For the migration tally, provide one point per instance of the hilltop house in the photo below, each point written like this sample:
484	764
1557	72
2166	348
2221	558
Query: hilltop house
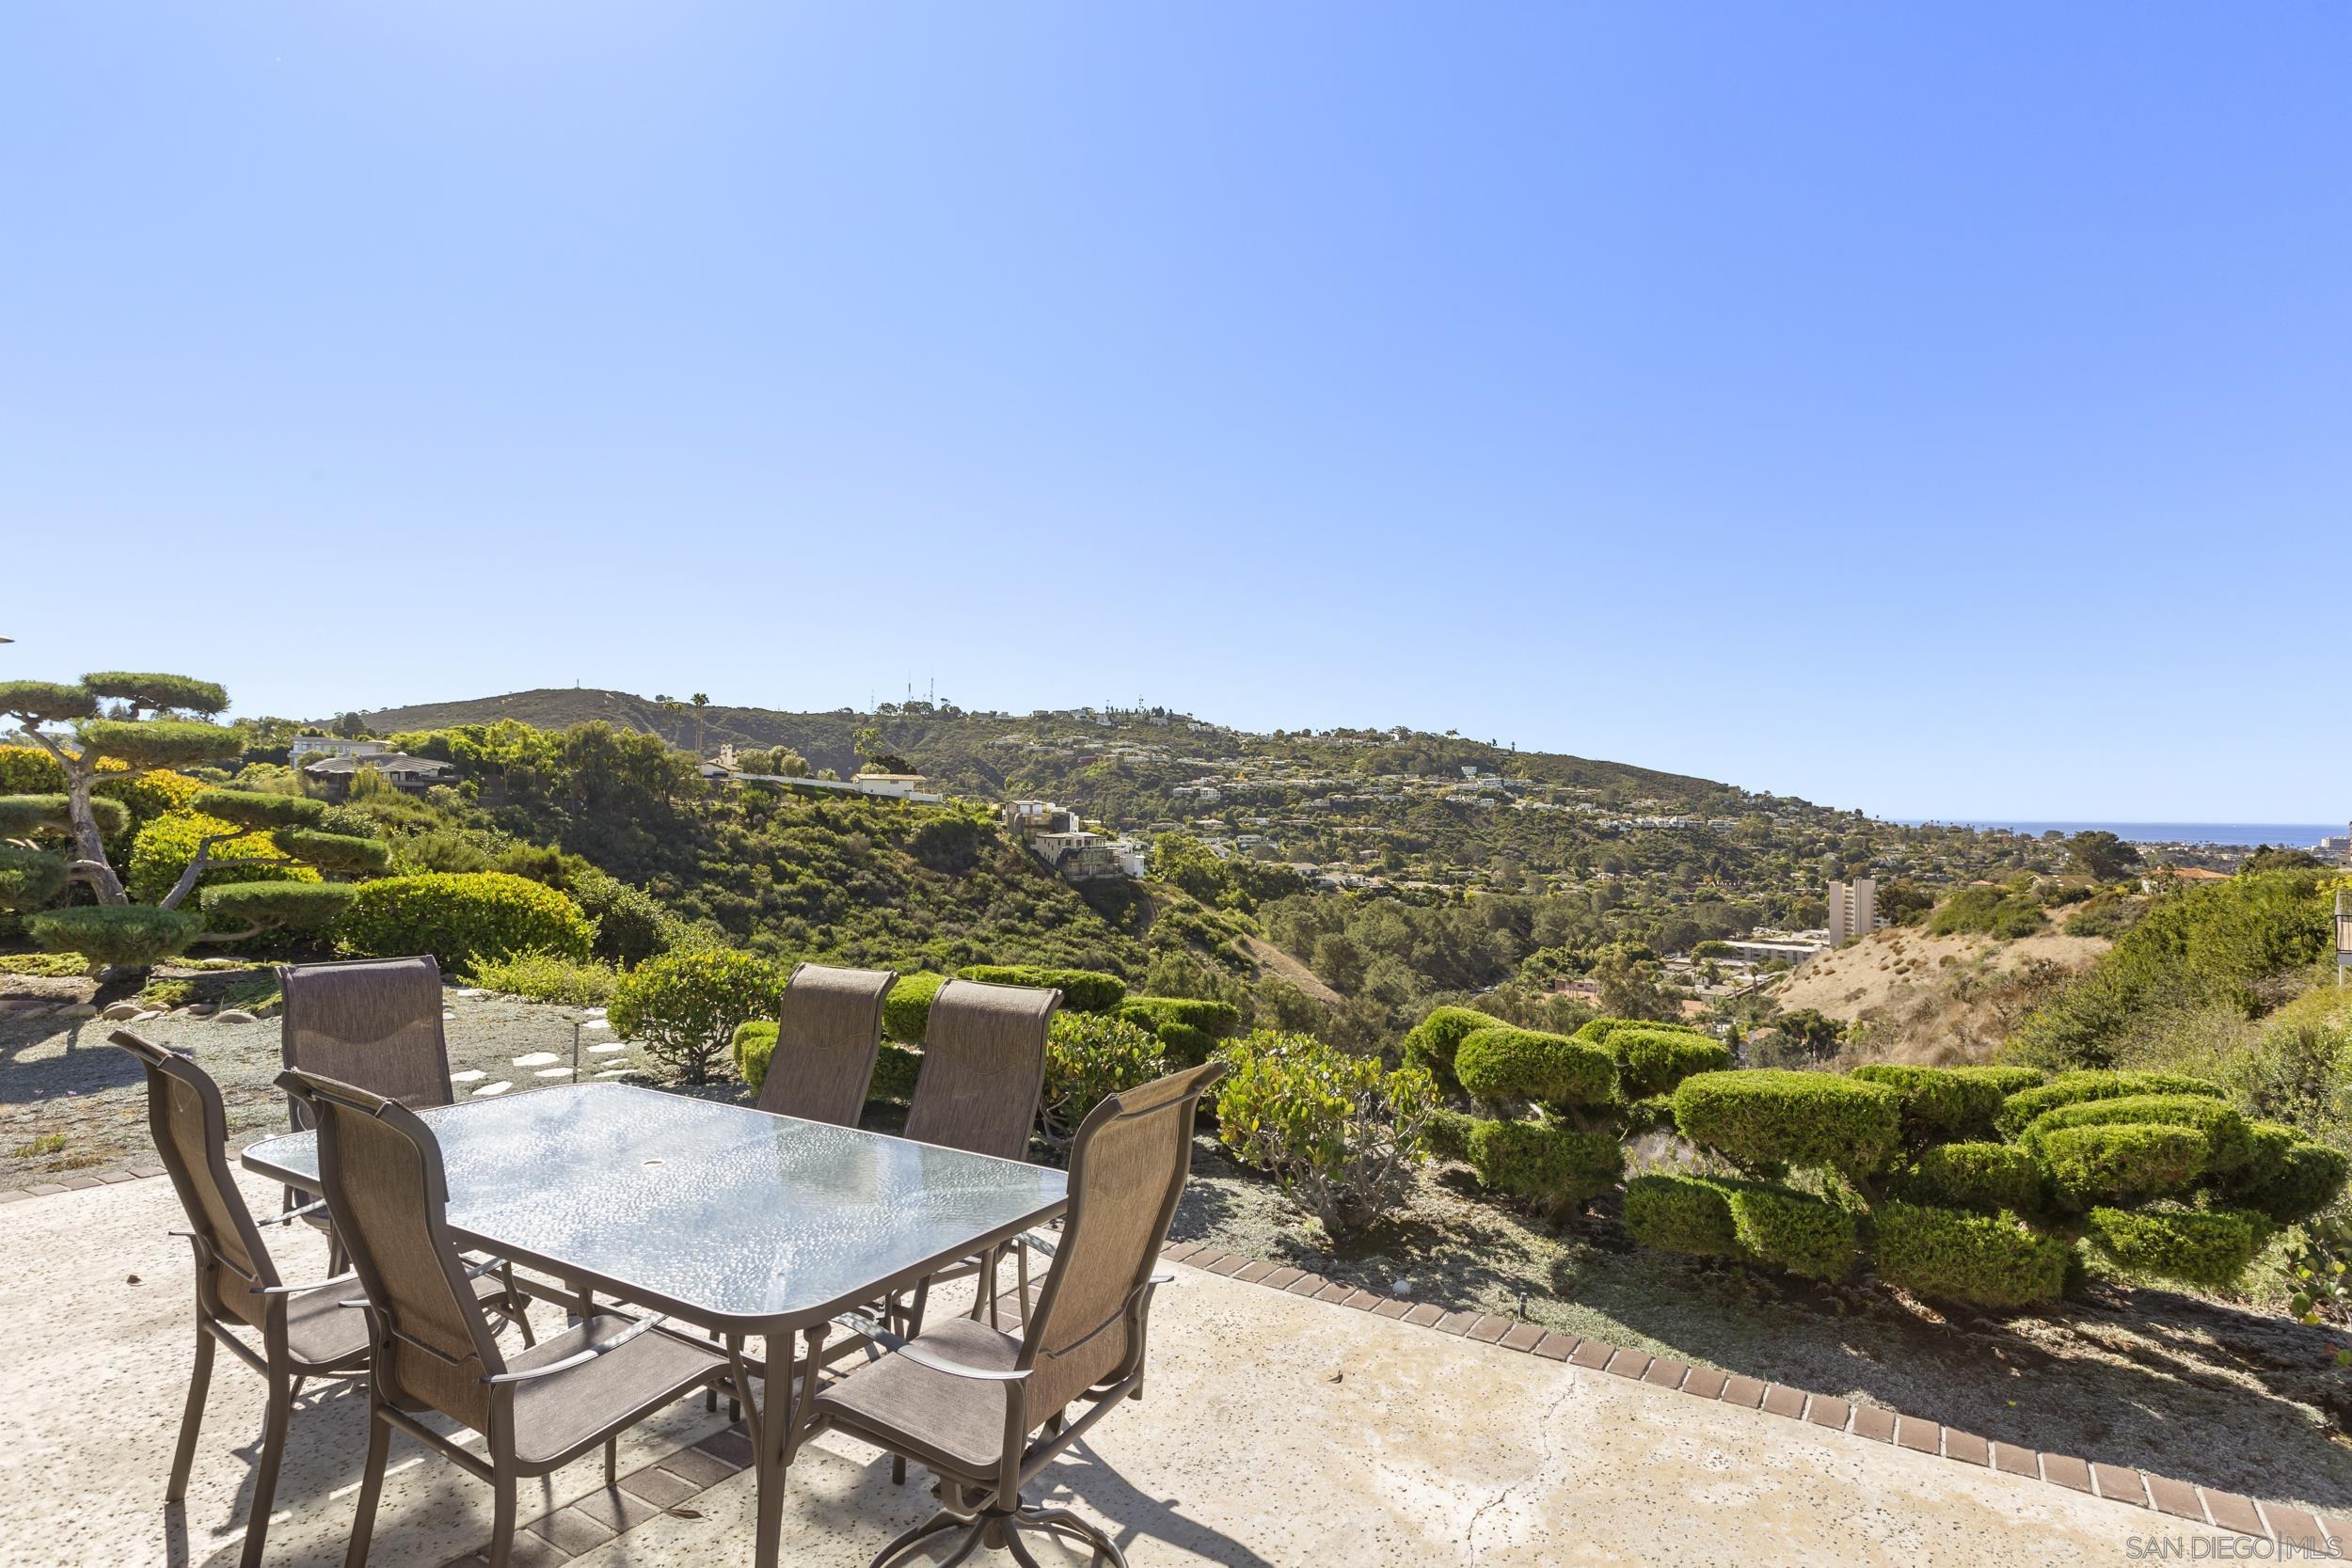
1054	835
333	746
413	775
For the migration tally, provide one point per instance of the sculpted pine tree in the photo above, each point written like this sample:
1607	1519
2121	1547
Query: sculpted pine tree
143	721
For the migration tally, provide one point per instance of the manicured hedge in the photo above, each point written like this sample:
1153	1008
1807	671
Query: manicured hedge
2226	1143
1651	1061
1681	1213
1083	990
2201	1247
1544	1161
1188	1027
1432	1043
2070	1088
2286	1177
1760	1221
1950	1102
907	1010
165	846
2120	1163
460	916
277	905
129	936
1500	1063
23	815
253	808
895	1069
1951	1255
1975	1176
1763	1116
337	852
1600	1030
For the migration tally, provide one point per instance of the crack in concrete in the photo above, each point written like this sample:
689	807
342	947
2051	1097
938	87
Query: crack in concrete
1471	1536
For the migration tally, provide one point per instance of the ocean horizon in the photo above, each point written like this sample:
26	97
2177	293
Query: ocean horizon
2294	835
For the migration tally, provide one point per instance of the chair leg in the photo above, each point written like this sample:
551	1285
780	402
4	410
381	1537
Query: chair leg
612	1462
502	1523
265	1474
371	1489
897	1470
200	1382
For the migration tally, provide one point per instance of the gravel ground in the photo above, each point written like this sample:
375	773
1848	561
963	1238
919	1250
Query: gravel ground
2228	1397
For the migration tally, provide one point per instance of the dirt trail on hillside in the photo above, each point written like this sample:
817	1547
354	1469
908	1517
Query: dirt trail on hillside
1271	960
1937	1000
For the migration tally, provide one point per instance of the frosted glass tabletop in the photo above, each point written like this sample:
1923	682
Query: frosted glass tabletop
730	1216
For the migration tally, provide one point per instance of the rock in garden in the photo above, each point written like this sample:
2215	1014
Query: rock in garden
123	1011
234	1015
78	1010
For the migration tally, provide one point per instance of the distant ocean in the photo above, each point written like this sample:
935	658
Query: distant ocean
2297	836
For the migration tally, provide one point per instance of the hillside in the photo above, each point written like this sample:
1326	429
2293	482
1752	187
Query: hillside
1935	1000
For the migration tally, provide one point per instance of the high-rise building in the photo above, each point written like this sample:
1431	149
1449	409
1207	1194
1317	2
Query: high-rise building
1853	909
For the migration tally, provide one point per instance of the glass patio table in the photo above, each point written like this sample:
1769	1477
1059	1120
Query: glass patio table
732	1219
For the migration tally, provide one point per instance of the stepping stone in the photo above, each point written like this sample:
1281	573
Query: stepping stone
608	1047
122	1010
489	1089
614	1072
536	1058
472	1076
234	1015
553	1073
595	1012
596	1023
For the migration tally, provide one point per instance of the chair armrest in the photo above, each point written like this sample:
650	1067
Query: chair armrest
297	1289
602	1347
314	1206
857	1324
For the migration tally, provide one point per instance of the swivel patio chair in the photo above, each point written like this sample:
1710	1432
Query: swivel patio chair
828	1035
986	1411
432	1348
304	1330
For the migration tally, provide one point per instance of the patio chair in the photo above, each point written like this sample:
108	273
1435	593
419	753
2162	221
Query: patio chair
984	1073
965	1399
432	1348
373	1023
304	1330
828	1035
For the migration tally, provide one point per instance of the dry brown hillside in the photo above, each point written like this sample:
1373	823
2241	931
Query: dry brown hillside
1935	1000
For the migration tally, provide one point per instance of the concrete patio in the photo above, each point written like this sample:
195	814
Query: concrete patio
1276	1430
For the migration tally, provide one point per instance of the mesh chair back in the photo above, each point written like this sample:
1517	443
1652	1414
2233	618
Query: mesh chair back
380	1170
983	1067
1128	1168
828	1033
191	1130
373	1023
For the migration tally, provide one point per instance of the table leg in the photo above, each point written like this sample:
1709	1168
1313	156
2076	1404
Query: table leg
768	1419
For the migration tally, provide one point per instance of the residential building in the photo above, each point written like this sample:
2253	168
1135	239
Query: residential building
1853	909
333	746
414	775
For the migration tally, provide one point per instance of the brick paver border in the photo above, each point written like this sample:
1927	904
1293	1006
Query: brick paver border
671	1483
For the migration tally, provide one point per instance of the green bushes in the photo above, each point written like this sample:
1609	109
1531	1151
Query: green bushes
546	977
2120	1163
1188	1027
116	936
337	852
1652	1060
165	846
2201	1247
1340	1131
2228	1146
462	918
1600	1030
896	1068
1499	1064
1951	1102
1760	1222
684	1008
259	906
1983	1259
1681	1213
2073	1089
1542	1161
1766	1118
1089	1057
2286	1177
1083	990
907	1010
23	815
1431	1044
631	925
1975	1176
30	879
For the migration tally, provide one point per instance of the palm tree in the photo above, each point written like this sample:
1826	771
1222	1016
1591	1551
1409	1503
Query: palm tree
702	701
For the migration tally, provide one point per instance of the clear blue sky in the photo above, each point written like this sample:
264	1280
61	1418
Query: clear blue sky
1936	409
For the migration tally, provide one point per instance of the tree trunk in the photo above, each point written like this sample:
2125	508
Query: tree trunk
90	844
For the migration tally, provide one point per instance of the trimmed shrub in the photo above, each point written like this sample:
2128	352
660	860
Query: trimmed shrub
1089	1057
338	852
1652	1114
1083	990
23	815
1982	1260
277	906
111	936
1762	1117
2226	1143
1500	1063
2121	1164
1545	1161
2286	1176
1188	1027
2197	1246
161	742
544	977
1975	1176
684	1008
1950	1102
253	808
1431	1044
1600	1030
1651	1061
631	925
30	879
1339	1132
461	918
165	846
907	1010
1447	1133
1681	1213
2071	1088
1793	1231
